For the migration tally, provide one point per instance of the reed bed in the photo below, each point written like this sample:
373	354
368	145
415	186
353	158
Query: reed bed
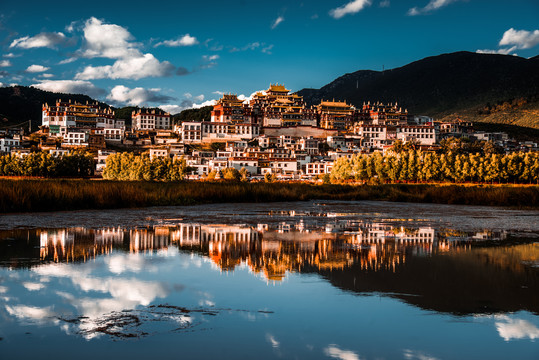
56	194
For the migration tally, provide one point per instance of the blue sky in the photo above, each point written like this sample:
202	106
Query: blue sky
182	54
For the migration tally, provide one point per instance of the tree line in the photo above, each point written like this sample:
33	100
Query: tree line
42	164
417	166
128	166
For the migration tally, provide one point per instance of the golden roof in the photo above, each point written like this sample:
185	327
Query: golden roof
334	103
278	88
229	98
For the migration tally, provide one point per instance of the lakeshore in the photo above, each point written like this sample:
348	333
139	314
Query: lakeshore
40	195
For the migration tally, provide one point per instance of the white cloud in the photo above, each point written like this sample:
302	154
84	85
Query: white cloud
197	98
70	87
514	329
277	21
352	7
208	61
135	97
186	40
114	42
49	40
36	68
5	63
503	51
10	55
267	49
431	6
67	61
3	289
33	286
251	46
417	355
336	353
186	104
171	109
522	39
205	103
385	3
133	68
108	41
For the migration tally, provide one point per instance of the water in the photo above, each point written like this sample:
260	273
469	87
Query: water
309	280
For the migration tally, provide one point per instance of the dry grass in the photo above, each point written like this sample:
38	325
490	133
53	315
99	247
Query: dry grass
51	195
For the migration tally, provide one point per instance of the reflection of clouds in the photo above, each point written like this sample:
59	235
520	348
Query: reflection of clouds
206	302
515	329
125	293
121	263
57	270
271	339
33	286
30	313
131	290
336	353
419	355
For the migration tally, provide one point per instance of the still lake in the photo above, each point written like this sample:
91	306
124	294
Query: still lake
301	280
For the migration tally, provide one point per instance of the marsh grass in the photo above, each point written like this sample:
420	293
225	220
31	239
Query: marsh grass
56	194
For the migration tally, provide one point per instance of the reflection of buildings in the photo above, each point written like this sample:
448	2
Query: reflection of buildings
270	250
78	243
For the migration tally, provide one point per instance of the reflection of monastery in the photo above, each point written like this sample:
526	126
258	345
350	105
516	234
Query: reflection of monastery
269	251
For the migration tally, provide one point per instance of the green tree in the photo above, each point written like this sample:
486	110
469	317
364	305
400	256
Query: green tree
231	174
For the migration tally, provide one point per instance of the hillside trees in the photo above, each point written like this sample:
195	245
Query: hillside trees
414	166
128	166
74	164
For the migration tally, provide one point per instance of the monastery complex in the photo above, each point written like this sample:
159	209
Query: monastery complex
274	131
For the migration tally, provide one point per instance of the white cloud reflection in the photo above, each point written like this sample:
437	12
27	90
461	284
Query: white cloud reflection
417	355
120	263
33	286
516	329
273	341
31	314
337	353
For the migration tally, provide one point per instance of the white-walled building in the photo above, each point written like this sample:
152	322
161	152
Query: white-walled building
250	164
6	144
191	132
196	131
146	119
158	153
58	152
75	115
425	135
75	138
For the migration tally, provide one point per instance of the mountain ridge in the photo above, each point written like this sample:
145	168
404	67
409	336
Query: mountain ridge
448	85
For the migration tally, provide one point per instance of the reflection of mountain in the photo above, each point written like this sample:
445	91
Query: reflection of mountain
439	270
460	282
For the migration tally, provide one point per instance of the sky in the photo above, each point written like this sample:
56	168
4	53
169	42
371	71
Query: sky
184	54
